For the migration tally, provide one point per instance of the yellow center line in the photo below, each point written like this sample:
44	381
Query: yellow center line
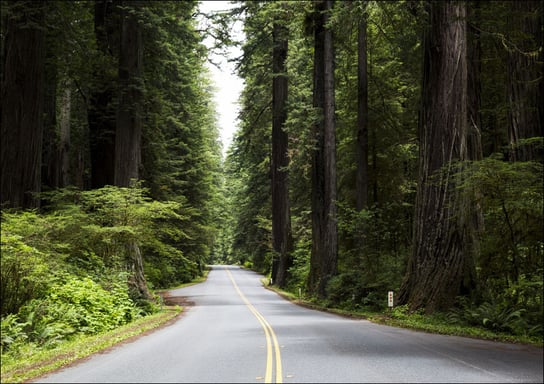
270	335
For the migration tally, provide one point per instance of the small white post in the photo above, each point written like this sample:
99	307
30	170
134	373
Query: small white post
390	299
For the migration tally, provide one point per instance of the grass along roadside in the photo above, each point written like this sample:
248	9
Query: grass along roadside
30	364
427	323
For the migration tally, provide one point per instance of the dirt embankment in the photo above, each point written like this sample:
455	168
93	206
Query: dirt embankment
169	299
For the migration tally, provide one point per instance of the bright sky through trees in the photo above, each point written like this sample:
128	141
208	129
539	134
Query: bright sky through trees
228	85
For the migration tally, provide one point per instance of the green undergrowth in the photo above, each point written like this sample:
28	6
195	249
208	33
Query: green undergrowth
30	363
399	317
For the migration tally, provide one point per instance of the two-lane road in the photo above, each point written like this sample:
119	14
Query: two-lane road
237	331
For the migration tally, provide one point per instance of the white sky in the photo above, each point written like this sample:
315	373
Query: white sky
228	85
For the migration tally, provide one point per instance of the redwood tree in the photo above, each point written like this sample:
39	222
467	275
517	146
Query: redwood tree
439	261
525	79
22	102
128	134
101	113
362	115
282	241
324	256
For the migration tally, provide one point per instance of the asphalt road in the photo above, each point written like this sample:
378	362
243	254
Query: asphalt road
237	331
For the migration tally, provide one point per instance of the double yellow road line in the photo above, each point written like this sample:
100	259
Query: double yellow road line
270	338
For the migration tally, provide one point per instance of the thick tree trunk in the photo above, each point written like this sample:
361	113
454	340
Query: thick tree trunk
440	260
56	143
474	129
101	113
128	134
137	284
318	198
22	103
323	260
362	117
50	137
64	135
282	241
525	81
474	50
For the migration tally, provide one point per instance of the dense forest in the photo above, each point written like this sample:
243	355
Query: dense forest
382	146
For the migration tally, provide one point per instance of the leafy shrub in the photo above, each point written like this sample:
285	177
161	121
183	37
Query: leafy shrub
76	306
25	269
511	197
106	219
300	269
94	309
492	316
11	332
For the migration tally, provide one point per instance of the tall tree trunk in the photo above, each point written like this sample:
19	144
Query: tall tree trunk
64	135
101	113
56	140
128	134
474	129
474	50
282	241
22	103
525	81
438	264
318	198
362	116
50	136
323	260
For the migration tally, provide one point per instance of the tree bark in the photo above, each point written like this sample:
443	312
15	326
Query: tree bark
323	260
22	103
474	90
440	260
474	129
525	81
50	136
101	113
282	241
362	117
64	135
128	134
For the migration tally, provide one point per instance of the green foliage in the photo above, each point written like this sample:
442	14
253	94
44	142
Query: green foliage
26	260
374	250
495	316
12	332
510	264
64	270
301	263
72	307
